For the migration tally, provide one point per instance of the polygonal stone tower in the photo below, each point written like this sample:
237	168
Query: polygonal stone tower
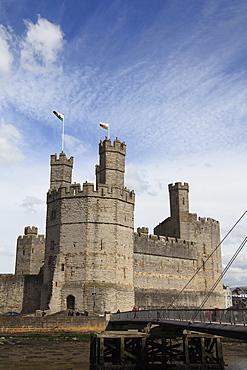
89	243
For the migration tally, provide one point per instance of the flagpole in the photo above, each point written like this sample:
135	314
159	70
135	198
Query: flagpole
63	134
108	132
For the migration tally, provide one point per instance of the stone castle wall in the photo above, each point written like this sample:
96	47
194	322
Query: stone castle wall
162	267
20	293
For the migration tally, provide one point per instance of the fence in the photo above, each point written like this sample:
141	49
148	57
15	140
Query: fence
213	315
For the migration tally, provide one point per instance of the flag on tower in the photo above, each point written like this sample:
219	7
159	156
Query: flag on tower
104	125
59	115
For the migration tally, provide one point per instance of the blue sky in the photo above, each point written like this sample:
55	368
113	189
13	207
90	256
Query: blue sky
170	78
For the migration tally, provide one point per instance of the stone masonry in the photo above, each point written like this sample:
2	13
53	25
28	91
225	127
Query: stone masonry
91	258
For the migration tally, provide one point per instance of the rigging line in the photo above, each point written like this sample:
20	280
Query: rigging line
199	268
220	277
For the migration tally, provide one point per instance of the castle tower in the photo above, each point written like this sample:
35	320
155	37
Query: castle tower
177	224
204	233
61	170
89	244
30	252
111	168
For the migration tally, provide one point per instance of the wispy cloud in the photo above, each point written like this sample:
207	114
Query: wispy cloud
10	142
6	56
30	203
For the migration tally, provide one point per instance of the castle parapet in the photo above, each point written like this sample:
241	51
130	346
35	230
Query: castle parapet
179	186
88	190
30	230
61	160
163	246
117	146
143	230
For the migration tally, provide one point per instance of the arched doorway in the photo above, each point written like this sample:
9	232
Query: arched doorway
70	302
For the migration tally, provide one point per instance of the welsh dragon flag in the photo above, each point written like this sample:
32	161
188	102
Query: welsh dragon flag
59	115
104	125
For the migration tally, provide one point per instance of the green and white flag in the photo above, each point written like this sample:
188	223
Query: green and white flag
104	125
59	115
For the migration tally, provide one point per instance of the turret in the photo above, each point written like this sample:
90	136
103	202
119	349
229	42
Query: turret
61	170
30	252
177	224
110	170
179	208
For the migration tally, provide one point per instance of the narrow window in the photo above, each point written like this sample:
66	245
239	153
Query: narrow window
23	252
62	267
52	244
53	214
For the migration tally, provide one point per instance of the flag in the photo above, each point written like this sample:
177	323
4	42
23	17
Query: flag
59	115
104	125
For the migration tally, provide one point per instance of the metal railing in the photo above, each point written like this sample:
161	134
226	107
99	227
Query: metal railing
213	315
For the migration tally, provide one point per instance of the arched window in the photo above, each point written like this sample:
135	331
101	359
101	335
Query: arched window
70	302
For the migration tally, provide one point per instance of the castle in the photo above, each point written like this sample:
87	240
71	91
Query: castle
91	259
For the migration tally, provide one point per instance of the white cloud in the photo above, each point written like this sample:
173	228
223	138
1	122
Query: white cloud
135	179
4	251
30	203
40	48
6	56
74	144
10	141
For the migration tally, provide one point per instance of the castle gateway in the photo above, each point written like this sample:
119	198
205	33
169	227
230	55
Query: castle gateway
91	259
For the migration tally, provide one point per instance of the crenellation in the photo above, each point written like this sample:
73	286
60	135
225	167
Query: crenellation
178	185
61	159
88	190
164	239
31	230
117	146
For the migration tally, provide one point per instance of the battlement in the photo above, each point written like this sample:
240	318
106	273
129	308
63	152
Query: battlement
103	190
117	146
61	160
30	230
178	186
23	239
163	239
194	219
143	230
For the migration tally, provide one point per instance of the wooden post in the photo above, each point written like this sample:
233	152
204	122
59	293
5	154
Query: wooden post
219	353
186	350
122	351
101	351
143	353
164	351
203	352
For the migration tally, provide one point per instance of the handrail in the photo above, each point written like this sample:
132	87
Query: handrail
228	316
